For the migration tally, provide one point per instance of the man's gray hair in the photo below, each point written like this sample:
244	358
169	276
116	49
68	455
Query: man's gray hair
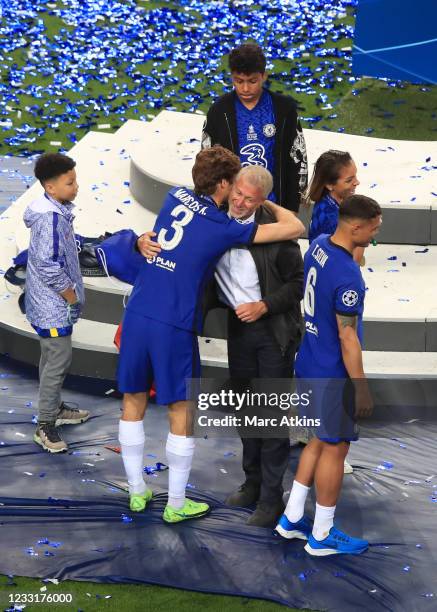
258	176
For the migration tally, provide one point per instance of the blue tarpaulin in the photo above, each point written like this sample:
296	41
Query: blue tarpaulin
67	517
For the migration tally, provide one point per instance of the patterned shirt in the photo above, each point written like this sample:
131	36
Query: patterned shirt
256	133
324	219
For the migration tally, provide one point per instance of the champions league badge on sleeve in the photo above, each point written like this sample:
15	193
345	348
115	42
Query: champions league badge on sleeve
349	298
269	130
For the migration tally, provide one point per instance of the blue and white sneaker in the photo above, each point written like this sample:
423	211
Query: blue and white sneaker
336	543
300	530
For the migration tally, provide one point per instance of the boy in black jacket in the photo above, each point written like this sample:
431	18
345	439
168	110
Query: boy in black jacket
260	126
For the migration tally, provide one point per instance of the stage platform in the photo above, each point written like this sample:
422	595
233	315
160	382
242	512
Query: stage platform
122	179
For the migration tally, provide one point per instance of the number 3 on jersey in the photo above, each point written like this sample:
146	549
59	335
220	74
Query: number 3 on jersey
177	225
309	297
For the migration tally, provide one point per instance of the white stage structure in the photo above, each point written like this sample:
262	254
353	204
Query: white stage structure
123	178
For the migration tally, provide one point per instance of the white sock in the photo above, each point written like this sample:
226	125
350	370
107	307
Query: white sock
296	502
323	521
179	450
131	437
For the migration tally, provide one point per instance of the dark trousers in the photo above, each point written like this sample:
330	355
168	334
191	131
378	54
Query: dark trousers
254	353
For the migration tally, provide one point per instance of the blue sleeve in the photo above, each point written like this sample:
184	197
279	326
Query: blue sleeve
240	233
349	297
48	252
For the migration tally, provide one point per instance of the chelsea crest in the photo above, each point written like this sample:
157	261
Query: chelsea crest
269	130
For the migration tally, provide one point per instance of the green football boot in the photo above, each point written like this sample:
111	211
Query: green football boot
190	510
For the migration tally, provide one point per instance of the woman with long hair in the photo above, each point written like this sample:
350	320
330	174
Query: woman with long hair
334	179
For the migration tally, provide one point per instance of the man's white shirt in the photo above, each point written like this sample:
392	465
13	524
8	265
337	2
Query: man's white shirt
237	276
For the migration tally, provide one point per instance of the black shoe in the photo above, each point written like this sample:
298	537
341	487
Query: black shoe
266	515
247	495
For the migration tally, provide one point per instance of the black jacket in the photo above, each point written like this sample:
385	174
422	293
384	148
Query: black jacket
290	175
280	273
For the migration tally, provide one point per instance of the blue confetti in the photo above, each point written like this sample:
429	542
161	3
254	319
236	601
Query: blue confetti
122	36
158	467
383	466
422	250
126	519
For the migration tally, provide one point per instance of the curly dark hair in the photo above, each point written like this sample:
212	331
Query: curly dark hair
212	166
247	59
51	165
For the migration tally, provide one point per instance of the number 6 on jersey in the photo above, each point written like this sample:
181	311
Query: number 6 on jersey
309	297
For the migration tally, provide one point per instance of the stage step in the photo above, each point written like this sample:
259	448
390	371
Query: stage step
396	173
94	352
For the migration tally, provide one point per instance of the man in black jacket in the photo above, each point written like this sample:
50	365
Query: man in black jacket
260	126
262	287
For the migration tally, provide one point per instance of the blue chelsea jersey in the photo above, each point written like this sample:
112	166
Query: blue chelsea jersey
256	132
333	285
193	234
324	219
